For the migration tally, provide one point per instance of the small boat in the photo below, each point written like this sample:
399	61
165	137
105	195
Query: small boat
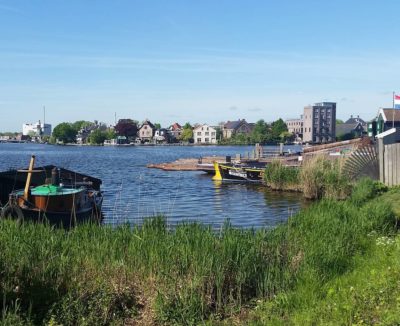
238	172
55	202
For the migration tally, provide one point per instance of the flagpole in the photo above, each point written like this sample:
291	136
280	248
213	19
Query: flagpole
393	113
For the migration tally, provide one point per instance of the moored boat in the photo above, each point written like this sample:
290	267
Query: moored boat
59	204
234	172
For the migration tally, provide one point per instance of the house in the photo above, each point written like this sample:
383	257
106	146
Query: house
83	134
235	127
346	131
146	131
355	120
386	119
295	127
204	134
175	130
162	135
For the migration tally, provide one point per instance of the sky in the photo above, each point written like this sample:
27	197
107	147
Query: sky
199	61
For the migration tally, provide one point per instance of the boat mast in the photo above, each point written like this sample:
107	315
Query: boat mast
29	177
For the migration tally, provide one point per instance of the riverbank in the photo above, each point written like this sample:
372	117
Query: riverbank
192	274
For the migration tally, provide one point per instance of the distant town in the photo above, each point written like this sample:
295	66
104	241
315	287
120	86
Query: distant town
316	125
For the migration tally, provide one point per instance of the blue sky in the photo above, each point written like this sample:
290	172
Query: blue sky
198	61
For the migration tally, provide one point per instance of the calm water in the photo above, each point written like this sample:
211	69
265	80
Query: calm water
133	191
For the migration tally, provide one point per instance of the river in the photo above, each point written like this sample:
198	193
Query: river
133	191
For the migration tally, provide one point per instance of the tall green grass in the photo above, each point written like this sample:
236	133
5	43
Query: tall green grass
96	275
280	177
318	177
322	177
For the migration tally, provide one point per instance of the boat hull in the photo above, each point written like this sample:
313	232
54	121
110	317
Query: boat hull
66	210
238	173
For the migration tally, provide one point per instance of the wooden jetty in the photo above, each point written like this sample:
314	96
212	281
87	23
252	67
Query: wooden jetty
261	156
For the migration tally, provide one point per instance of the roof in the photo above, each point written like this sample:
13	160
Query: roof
234	124
390	114
204	125
355	120
147	122
347	128
176	126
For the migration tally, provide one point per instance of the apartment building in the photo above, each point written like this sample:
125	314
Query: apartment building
319	123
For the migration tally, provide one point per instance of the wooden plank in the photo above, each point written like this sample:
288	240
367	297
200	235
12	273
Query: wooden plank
390	165
381	150
397	166
386	165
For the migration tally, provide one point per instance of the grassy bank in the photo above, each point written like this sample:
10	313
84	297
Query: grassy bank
98	275
318	177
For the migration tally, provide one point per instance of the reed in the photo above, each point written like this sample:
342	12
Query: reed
317	178
322	177
188	275
280	177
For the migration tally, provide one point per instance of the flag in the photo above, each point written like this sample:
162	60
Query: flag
396	101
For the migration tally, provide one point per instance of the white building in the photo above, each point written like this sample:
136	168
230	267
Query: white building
204	134
36	129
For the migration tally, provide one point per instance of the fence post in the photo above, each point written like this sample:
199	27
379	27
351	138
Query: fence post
381	149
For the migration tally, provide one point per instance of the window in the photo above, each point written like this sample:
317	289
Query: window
199	140
199	133
207	140
207	133
213	134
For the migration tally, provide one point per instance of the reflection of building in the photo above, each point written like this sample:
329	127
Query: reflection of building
204	134
36	129
319	124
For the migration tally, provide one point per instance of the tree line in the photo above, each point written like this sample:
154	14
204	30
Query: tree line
262	132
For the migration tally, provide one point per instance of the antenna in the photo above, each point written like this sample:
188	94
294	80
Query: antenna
44	115
115	118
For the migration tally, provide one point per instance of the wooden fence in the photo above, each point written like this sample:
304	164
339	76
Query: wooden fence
389	163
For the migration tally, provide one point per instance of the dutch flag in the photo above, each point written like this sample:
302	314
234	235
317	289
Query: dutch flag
396	101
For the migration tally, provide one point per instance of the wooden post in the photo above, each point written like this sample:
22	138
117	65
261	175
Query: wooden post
381	150
29	177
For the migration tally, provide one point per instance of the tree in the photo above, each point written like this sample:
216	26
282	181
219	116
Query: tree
126	127
259	132
339	121
187	132
286	136
97	137
64	132
157	125
110	134
277	128
80	124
